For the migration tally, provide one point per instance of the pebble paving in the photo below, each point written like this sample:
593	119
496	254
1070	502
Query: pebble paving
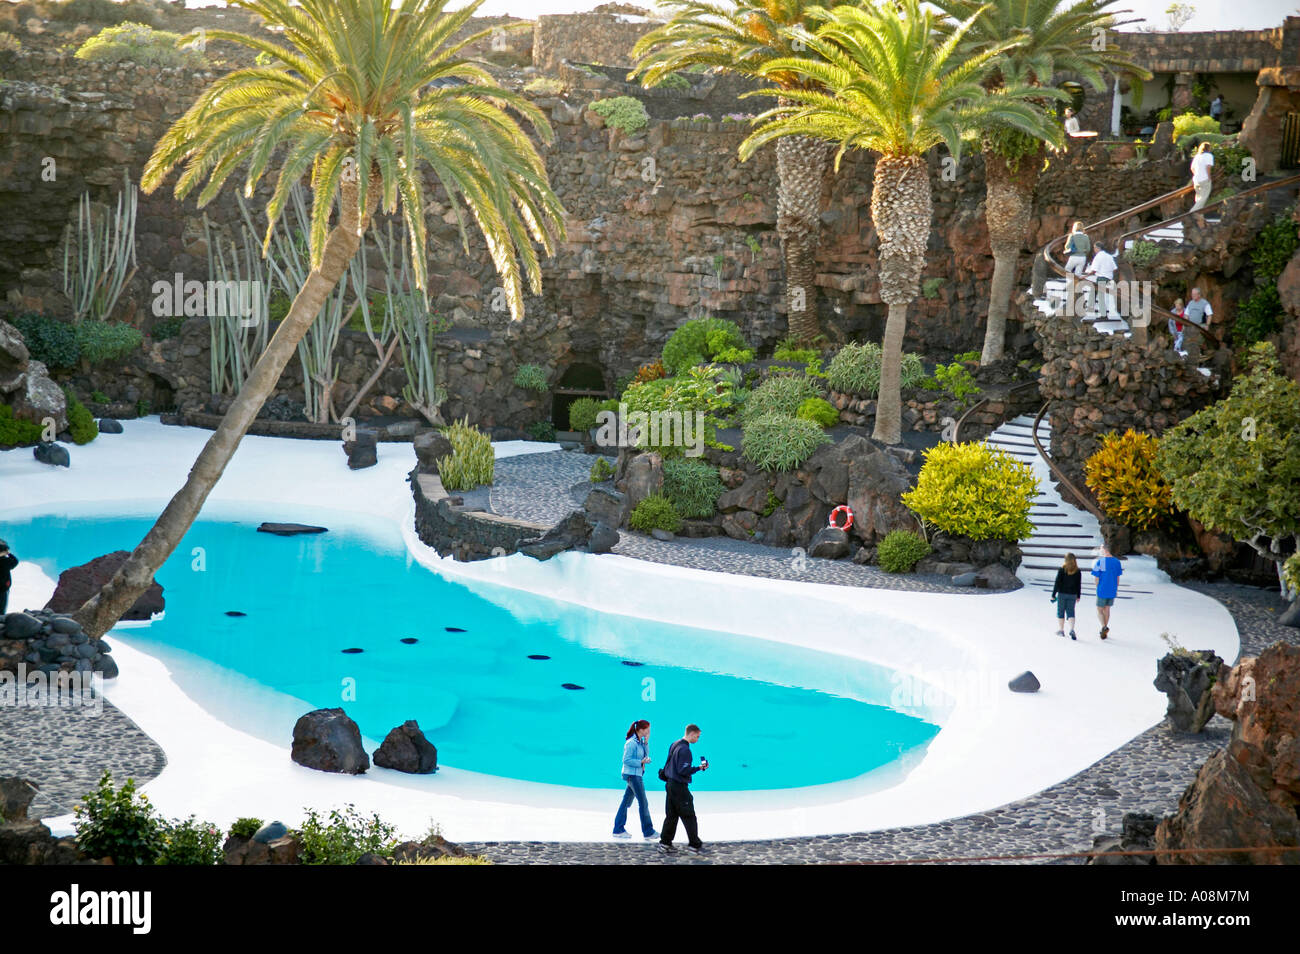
64	750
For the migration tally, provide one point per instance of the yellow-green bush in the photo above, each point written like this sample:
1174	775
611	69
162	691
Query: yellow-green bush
975	491
138	43
448	860
471	462
1122	474
1189	123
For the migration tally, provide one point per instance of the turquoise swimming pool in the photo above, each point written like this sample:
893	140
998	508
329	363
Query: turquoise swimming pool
524	688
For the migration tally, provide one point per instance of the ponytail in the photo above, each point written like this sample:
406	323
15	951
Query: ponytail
637	726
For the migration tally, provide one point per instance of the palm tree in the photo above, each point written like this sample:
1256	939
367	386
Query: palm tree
741	39
888	84
348	99
1054	36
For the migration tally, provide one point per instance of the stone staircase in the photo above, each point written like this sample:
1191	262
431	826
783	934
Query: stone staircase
1059	526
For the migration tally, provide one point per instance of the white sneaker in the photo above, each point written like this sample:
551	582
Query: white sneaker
622	834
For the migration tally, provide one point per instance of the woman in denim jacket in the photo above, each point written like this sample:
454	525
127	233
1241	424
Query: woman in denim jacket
636	754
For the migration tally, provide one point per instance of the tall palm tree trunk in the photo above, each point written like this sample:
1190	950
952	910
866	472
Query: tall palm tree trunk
902	210
801	165
1008	207
102	611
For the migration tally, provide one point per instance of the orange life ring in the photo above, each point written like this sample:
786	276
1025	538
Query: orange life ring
848	517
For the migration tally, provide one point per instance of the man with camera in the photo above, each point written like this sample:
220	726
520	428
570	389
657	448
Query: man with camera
676	775
7	562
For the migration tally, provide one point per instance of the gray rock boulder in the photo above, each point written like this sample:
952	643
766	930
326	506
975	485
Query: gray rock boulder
363	451
571	533
1025	682
109	425
56	455
405	749
1186	679
997	577
328	741
38	398
603	539
1291	615
269	832
606	505
430	447
21	626
15	795
830	544
645	477
289	529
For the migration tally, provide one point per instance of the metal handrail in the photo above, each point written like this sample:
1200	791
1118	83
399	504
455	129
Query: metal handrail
1086	503
1262	187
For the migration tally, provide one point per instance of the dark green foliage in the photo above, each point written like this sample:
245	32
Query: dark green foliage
780	394
698	341
245	827
103	341
166	328
344	837
50	341
190	842
582	414
542	431
81	423
901	550
602	469
655	512
1260	314
15	433
781	442
118	824
692	485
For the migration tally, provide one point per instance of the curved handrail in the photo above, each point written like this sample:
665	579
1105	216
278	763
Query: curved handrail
956	432
1262	187
1057	472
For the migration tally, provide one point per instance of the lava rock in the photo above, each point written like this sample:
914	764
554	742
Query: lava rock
269	832
997	577
1025	682
56	455
405	749
605	505
79	583
430	447
1291	615
664	535
572	532
64	625
964	579
603	539
328	741
830	544
109	425
21	626
15	795
284	530
363	451
1187	678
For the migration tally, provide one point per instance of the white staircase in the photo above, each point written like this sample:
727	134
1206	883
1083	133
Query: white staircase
1053	302
1059	527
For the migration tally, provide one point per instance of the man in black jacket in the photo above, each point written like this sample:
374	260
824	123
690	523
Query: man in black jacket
7	562
677	772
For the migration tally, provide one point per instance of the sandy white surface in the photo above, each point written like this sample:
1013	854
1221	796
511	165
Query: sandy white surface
995	745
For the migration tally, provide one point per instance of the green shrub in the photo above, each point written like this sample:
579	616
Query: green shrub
471	462
855	369
1291	572
901	550
975	491
530	377
118	824
104	11
698	390
1273	248
99	397
139	43
820	411
544	86
956	379
449	860
582	414
245	827
1192	140
142	408
81	423
780	394
930	287
190	842
700	340
622	112
542	431
1122	474
602	469
166	328
675	82
789	350
1259	316
655	512
1142	253
344	837
1229	156
104	341
1189	123
48	340
734	356
609	405
773	501
781	442
692	485
16	433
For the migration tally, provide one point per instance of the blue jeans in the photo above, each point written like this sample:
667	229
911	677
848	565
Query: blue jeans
635	789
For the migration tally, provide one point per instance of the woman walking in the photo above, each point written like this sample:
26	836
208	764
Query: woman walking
1065	593
636	753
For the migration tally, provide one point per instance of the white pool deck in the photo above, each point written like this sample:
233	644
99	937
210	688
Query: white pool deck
995	746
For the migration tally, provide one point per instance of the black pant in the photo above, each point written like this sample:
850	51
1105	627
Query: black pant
4	599
681	805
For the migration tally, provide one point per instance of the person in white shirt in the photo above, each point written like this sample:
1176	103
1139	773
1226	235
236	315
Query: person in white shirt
1202	162
1071	122
1103	266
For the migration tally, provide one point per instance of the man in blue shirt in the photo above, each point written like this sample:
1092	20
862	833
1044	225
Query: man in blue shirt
677	773
1107	570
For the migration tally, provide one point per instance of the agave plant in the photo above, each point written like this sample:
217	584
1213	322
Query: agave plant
364	97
